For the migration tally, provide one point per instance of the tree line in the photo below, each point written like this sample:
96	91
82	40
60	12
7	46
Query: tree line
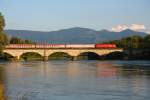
133	42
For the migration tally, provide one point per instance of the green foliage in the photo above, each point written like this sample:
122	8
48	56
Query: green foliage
3	41
28	42
15	40
147	42
134	42
3	37
2	22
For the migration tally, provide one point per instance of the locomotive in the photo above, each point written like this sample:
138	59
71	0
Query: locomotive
67	46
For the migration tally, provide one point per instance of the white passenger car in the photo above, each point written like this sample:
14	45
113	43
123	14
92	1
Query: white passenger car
80	46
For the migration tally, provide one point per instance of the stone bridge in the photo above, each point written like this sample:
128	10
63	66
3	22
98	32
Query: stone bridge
45	53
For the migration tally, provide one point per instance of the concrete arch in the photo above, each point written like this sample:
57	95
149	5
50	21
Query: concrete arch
31	52
88	56
9	53
88	52
115	55
69	52
105	52
59	56
17	53
31	56
60	52
115	52
40	52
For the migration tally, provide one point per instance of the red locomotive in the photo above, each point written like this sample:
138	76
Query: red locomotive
105	46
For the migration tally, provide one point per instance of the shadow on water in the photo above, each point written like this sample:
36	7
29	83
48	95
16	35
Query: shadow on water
133	68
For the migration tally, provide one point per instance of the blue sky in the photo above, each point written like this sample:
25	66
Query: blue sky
49	15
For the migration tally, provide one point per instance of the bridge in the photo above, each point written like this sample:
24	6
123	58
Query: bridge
17	52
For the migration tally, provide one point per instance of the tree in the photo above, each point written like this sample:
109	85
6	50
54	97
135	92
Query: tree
147	41
3	39
134	42
147	38
2	22
28	42
15	40
3	36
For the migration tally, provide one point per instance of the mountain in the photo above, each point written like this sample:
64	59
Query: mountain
73	35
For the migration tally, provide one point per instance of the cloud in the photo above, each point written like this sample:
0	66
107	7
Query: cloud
119	28
148	32
135	27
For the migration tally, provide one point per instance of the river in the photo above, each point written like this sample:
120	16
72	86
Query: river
75	80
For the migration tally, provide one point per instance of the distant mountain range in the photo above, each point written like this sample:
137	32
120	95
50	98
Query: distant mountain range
73	35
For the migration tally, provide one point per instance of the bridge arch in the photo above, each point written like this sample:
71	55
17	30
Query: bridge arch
115	55
31	56
59	56
88	55
8	56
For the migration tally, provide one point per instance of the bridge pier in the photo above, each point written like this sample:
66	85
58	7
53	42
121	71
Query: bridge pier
16	58
45	58
74	58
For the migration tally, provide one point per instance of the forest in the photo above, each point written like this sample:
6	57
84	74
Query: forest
134	42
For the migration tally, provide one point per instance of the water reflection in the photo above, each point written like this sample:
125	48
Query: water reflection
106	69
75	80
2	96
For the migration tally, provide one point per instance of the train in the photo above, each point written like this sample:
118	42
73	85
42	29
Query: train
62	46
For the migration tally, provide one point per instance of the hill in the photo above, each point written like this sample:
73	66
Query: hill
73	35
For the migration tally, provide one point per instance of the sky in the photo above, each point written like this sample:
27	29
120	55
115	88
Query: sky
50	15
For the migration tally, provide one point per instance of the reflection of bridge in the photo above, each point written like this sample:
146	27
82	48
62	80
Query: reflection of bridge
74	52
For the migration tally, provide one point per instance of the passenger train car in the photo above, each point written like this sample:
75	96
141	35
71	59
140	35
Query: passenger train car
59	46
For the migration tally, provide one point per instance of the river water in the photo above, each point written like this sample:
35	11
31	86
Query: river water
75	80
